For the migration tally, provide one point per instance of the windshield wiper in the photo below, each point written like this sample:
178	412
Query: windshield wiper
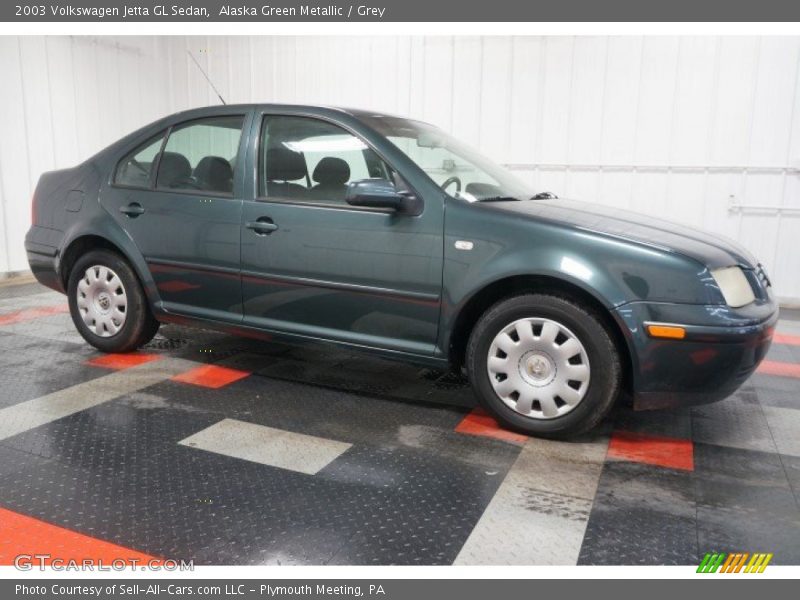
539	196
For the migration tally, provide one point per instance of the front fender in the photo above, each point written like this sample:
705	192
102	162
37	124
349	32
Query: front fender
611	270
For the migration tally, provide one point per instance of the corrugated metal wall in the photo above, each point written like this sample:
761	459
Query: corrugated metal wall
62	100
701	130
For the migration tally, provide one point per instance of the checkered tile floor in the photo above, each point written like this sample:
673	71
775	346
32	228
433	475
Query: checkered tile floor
230	451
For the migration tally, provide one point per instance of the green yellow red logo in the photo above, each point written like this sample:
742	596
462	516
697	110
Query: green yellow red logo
735	562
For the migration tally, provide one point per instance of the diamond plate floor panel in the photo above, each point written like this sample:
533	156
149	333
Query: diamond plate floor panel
641	515
120	463
540	512
744	497
408	487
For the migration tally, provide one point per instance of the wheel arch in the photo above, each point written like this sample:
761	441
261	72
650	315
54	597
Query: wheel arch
493	292
81	244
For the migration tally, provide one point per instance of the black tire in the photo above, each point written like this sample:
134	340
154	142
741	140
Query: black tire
605	366
139	325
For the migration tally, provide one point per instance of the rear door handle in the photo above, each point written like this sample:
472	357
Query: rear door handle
262	226
133	210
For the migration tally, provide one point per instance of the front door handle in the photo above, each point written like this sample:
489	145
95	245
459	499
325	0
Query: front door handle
133	210
263	226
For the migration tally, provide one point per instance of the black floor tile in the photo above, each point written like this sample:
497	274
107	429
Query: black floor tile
33	367
791	464
782	392
673	423
117	472
734	465
745	503
642	515
744	526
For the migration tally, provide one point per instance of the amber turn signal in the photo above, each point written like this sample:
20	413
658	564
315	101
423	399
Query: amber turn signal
672	332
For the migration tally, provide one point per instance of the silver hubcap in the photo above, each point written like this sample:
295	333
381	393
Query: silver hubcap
539	368
102	301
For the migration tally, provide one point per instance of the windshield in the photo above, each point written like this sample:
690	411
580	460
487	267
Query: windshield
459	170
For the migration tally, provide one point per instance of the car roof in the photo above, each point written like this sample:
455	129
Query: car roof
311	108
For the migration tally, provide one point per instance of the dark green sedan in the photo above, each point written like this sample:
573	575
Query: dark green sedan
388	235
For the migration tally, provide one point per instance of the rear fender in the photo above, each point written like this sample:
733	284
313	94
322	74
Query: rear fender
102	226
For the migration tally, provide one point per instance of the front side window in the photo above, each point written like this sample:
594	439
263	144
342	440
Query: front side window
201	155
308	160
136	168
459	170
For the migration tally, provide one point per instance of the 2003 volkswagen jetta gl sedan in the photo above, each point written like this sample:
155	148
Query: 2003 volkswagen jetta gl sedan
386	234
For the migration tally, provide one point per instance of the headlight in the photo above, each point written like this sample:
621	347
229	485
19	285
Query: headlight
734	286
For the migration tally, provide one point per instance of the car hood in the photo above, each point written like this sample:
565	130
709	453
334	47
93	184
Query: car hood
710	249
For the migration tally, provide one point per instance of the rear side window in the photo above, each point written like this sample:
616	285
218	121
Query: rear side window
136	168
201	155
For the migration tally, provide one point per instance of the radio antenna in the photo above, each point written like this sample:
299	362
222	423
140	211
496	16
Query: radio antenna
211	83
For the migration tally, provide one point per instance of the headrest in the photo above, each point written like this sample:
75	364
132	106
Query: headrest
215	172
173	168
285	165
332	171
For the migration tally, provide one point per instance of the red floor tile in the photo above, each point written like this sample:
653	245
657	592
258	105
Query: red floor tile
211	376
20	534
118	362
782	369
785	338
671	453
478	422
27	314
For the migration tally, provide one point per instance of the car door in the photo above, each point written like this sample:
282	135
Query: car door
178	197
315	266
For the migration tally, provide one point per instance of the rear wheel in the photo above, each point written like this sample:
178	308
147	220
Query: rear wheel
543	364
107	303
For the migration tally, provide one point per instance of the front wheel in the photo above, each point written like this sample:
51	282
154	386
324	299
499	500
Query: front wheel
544	365
107	303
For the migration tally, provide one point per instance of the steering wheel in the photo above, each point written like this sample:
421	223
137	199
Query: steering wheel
450	181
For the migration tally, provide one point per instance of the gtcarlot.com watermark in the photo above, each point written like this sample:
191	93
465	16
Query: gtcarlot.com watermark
30	562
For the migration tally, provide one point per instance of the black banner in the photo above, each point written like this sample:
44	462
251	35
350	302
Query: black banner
399	11
391	589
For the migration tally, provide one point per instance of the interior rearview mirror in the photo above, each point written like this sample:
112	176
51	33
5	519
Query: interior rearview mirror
428	139
381	193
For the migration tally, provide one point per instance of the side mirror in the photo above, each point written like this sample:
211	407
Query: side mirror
380	193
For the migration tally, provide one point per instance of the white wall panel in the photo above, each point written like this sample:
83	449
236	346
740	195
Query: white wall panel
586	100
63	100
621	84
694	101
38	116
774	100
525	98
678	127
14	158
437	80
733	105
656	106
556	95
467	96
495	130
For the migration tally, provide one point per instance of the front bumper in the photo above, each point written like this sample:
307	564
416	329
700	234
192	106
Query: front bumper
722	348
